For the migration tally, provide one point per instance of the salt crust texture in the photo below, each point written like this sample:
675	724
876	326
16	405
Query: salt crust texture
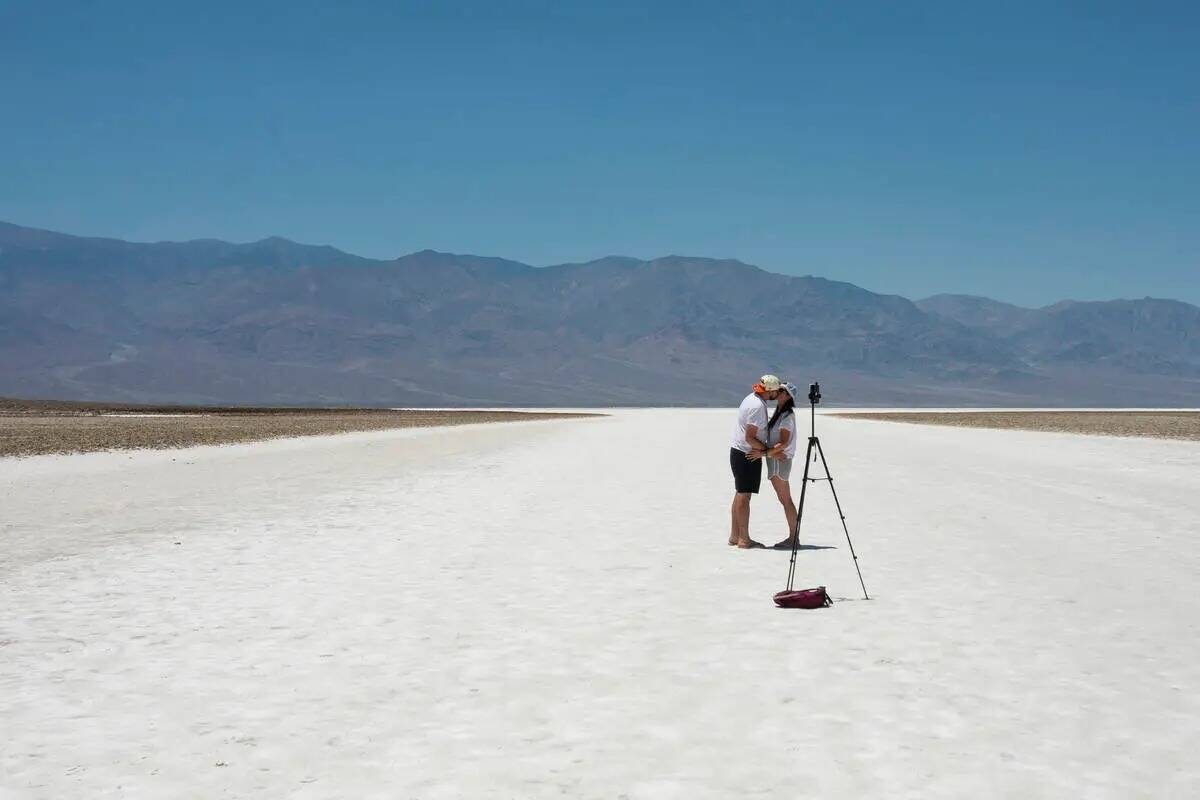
550	609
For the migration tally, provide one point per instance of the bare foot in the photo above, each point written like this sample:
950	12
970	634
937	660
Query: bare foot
786	544
732	541
750	544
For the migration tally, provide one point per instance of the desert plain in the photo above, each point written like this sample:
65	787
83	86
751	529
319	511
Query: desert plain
1154	424
548	608
42	427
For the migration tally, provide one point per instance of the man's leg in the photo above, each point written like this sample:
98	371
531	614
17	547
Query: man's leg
734	530
746	477
741	504
741	517
737	464
783	490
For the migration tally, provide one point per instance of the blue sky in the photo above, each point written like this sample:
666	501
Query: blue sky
1029	152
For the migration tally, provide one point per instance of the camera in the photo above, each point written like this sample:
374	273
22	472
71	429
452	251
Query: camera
814	393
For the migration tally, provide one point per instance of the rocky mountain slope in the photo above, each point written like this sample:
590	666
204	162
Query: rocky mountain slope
284	323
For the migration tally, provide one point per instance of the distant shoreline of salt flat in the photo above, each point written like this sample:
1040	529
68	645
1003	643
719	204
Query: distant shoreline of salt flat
1157	424
31	428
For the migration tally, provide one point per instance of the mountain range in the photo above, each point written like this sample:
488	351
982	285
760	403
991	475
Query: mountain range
277	322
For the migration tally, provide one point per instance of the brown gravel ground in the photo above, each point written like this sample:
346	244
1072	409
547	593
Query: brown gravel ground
35	428
1153	424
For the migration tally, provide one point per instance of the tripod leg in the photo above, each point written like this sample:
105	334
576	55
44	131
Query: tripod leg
825	464
800	512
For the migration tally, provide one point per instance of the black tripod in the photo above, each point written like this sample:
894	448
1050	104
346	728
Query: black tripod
814	397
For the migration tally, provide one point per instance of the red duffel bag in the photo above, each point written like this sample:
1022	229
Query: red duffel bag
803	598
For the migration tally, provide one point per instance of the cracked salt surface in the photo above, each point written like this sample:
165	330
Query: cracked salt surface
549	608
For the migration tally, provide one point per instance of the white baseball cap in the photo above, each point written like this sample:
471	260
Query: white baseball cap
770	382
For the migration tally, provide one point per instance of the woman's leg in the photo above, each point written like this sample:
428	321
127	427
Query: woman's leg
783	490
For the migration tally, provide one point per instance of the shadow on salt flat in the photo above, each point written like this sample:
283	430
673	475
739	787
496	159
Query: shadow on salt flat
788	551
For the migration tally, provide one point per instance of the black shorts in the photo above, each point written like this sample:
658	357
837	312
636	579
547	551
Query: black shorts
747	474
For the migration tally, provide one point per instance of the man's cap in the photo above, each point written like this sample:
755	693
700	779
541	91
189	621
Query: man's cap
770	382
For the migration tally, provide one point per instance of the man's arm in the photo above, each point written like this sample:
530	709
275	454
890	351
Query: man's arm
757	446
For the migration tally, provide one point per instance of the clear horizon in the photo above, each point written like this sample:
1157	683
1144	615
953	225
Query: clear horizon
1027	154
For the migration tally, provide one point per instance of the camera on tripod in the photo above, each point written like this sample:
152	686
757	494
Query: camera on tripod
790	598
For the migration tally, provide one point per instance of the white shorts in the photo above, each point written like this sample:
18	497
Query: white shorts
779	468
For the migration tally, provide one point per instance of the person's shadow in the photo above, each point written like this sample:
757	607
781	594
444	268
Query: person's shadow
805	547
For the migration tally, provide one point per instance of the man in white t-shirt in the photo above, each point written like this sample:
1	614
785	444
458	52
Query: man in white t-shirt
745	456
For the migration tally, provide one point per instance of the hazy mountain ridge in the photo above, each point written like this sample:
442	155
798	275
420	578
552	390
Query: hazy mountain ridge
1150	335
983	312
274	321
